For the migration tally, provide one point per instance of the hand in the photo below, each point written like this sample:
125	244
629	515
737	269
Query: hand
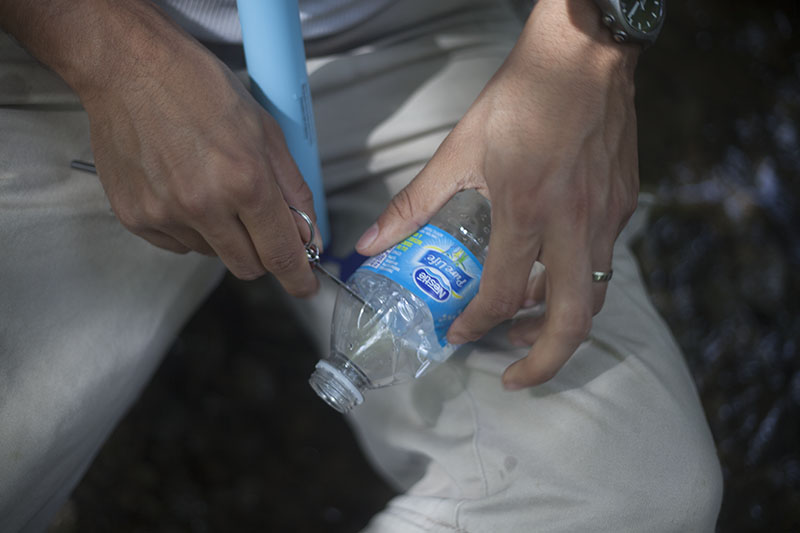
551	141
188	159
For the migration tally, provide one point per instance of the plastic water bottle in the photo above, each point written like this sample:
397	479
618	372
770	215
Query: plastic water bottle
393	326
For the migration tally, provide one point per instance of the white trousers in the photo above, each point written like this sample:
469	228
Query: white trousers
616	442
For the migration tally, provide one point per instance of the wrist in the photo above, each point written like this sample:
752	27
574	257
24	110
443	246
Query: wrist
133	45
570	33
95	45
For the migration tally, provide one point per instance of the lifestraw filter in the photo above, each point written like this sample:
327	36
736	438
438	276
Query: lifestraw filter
276	63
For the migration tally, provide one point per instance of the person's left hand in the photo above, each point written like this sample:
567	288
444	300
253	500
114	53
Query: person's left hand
551	141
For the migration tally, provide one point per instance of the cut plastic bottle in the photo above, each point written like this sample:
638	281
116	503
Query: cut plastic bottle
411	294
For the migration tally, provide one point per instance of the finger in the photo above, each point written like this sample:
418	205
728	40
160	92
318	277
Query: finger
162	240
525	331
410	209
139	225
295	190
602	253
278	243
568	316
535	292
191	239
512	252
303	228
231	242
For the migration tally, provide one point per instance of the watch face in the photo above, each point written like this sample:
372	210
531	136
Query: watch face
643	15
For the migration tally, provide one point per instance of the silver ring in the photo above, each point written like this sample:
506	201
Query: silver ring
602	276
311	249
308	221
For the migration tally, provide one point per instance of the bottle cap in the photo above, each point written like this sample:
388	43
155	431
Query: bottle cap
334	387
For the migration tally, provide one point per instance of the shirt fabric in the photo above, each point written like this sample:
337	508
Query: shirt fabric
218	20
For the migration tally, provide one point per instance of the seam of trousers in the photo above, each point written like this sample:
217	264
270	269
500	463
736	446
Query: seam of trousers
476	449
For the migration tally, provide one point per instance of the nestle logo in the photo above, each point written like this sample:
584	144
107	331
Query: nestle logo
457	278
431	284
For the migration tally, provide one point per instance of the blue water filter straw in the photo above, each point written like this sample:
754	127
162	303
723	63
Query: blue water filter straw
276	63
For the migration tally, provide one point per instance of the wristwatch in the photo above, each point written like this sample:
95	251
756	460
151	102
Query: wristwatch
633	21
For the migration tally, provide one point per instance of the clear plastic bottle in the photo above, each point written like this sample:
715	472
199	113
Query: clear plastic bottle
407	298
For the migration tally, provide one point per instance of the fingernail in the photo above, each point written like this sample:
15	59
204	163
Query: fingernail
368	237
511	385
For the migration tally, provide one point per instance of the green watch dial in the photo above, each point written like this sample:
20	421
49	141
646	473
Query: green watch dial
643	15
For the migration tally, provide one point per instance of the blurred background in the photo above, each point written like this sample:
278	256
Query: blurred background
229	437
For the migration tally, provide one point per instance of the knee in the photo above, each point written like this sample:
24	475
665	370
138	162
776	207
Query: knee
679	491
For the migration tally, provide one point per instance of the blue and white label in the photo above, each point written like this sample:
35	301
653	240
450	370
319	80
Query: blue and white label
437	268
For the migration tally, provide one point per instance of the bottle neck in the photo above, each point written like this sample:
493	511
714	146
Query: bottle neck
350	370
467	216
339	382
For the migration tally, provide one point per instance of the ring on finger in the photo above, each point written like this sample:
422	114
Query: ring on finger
599	276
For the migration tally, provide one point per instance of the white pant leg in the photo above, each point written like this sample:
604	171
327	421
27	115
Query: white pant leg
616	442
86	309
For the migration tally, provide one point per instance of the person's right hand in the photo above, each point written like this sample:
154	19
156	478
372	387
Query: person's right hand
190	161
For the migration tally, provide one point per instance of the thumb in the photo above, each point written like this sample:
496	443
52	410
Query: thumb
410	209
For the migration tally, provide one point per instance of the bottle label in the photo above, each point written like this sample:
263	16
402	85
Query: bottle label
437	268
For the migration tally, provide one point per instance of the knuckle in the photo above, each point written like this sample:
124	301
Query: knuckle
284	262
575	323
130	219
156	214
500	307
239	178
245	188
194	204
221	162
303	194
402	205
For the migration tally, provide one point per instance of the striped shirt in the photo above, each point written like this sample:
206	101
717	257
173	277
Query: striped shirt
218	21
